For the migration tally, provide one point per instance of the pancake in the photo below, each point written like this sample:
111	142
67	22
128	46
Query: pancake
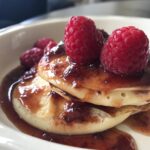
92	84
52	110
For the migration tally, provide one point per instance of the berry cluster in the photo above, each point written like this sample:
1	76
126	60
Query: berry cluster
32	56
124	52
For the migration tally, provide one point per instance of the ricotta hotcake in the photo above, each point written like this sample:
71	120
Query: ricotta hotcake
92	84
39	105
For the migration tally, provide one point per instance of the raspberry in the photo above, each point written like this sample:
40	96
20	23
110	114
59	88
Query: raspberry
125	51
49	46
82	41
30	57
42	43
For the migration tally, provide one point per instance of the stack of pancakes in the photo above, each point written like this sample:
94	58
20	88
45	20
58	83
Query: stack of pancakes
63	97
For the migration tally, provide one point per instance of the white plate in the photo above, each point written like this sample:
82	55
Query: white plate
17	39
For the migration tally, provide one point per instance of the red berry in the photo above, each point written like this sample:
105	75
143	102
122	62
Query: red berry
30	57
125	51
81	40
42	43
49	46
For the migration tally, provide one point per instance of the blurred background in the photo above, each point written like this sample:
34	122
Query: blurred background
15	11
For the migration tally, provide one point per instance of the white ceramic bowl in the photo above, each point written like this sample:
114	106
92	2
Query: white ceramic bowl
21	37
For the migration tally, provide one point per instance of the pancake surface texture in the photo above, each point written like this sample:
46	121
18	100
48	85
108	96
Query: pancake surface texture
93	85
65	98
52	110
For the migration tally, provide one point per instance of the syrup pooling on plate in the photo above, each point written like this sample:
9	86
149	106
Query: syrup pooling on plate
85	141
104	141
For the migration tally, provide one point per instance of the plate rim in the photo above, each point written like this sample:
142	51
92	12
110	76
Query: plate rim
23	25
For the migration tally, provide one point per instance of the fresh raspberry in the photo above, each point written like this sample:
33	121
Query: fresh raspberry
125	51
81	40
49	46
30	57
42	43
